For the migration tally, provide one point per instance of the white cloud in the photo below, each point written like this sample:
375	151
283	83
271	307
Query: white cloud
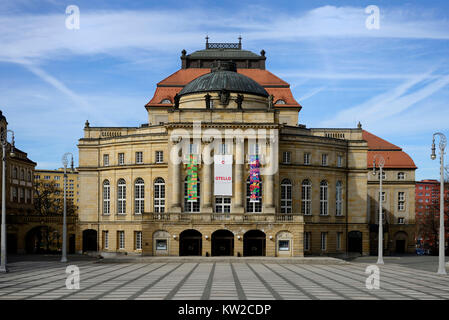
124	32
382	107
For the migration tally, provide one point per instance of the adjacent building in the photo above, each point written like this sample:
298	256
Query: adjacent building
222	167
18	193
428	212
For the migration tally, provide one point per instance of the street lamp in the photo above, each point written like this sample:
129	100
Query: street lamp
65	162
380	250
433	156
4	142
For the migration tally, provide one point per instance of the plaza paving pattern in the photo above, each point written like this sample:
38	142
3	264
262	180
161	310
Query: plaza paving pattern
218	280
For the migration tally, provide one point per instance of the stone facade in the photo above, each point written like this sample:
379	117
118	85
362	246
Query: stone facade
315	188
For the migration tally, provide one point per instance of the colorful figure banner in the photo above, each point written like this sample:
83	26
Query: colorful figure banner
192	180
254	178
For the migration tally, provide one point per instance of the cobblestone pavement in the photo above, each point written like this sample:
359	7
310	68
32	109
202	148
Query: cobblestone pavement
217	280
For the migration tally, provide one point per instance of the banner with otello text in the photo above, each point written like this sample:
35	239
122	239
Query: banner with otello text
254	178
192	179
223	175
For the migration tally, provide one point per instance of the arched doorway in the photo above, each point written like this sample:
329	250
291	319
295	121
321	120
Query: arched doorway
222	243
400	242
190	243
43	239
89	240
254	243
355	241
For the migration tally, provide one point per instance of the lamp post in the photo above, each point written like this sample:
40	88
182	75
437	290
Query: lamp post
4	142
380	259
65	162
443	141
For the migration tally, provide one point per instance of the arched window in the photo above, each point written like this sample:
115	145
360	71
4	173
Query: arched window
166	101
139	196
286	196
159	195
14	173
29	176
106	197
22	174
338	199
121	196
253	207
323	198
280	101
192	206
306	197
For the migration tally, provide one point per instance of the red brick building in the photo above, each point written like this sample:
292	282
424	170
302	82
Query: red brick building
428	212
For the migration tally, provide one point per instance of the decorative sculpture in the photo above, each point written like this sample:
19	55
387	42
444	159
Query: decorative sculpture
239	101
224	97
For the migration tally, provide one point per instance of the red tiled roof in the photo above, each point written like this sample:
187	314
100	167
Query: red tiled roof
393	155
173	84
376	143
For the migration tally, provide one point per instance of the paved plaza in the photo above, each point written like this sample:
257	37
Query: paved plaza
211	280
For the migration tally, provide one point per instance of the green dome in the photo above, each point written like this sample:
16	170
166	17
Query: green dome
224	76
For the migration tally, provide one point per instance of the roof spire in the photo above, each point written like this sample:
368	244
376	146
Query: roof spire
359	125
207	41
240	41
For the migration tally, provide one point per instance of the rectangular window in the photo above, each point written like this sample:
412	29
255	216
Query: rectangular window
284	245
339	239
401	176
324	159
286	157
22	195
139	157
161	244
46	177
224	149
121	239
254	149
383	196
193	148
138	236
384	175
339	161
57	177
105	160
401	220
37	177
401	201
106	239
323	241
323	200
121	159
307	158
222	204
307	237
159	156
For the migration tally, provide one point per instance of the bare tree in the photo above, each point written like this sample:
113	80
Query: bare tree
49	199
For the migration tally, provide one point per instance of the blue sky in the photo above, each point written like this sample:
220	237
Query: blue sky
395	80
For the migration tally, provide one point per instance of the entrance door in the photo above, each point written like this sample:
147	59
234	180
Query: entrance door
71	244
400	246
355	241
89	240
11	243
190	243
222	243
254	243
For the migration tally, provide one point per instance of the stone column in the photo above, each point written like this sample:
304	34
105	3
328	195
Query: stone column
176	185
268	186
239	180
206	185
